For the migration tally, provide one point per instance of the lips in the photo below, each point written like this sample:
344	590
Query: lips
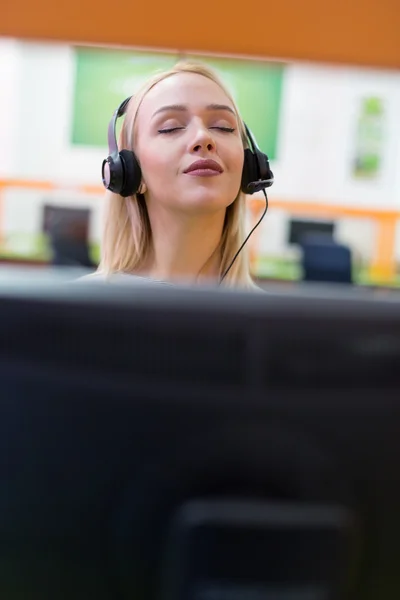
205	165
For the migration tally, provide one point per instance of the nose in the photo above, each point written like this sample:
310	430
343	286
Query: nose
203	141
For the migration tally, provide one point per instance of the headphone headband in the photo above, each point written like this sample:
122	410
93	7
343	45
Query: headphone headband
111	136
253	144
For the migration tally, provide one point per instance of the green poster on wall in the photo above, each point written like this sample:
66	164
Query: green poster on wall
104	77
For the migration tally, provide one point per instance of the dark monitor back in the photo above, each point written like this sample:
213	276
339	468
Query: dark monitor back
162	443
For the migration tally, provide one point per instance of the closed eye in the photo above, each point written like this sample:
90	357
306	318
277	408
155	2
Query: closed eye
226	129
172	129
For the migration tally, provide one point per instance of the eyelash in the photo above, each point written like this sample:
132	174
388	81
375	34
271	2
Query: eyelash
224	129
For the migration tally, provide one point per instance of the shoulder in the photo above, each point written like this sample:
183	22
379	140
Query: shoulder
118	278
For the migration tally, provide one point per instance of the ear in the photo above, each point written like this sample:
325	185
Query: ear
142	188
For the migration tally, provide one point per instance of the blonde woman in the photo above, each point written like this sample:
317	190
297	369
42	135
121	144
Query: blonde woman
176	183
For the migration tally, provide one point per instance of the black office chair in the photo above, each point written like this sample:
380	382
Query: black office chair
325	260
70	251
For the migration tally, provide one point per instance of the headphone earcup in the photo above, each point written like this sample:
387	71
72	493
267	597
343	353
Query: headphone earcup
132	174
250	170
265	169
255	167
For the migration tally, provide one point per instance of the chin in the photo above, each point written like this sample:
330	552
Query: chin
207	200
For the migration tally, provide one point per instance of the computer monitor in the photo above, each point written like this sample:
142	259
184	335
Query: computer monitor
300	228
198	444
67	229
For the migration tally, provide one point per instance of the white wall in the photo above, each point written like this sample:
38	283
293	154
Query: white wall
314	150
316	145
44	115
9	86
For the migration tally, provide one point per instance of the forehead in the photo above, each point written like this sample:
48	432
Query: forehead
190	89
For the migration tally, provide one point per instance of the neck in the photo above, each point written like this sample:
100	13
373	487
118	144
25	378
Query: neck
185	248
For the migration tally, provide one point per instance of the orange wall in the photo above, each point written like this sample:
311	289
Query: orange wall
360	32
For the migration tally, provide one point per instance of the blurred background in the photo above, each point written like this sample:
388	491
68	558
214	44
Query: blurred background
320	91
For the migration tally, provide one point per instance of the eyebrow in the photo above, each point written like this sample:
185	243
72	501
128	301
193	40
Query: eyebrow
183	108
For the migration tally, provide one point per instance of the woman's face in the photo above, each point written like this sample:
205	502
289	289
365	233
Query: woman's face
189	145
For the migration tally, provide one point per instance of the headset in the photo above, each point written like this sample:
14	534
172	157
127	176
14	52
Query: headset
122	175
121	172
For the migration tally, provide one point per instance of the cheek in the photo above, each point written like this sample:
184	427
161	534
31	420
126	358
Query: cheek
155	165
234	155
236	162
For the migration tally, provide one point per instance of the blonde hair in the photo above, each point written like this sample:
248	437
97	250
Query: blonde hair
127	232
